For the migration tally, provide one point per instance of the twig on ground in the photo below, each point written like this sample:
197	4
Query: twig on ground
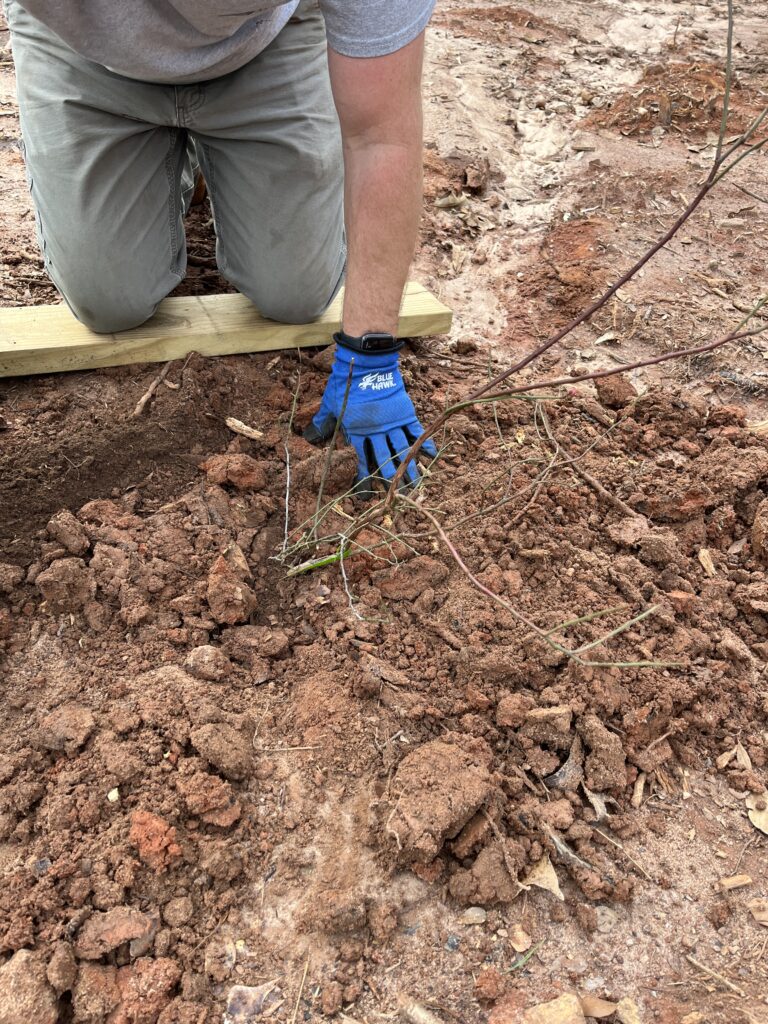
629	857
414	1013
716	975
288	455
508	864
332	447
147	396
301	992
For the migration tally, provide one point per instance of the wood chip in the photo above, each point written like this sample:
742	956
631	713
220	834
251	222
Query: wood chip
743	760
734	882
238	427
758	908
706	562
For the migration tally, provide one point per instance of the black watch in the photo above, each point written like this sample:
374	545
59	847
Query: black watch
373	342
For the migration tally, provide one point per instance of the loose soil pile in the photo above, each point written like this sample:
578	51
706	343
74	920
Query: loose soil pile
300	798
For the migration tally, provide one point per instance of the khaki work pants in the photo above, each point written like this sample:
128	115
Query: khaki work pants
108	163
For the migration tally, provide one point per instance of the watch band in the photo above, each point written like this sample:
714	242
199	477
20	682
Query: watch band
373	342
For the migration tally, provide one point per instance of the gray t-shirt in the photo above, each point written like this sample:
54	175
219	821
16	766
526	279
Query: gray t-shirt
182	41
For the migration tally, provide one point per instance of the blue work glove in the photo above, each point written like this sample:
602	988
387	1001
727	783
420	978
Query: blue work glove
379	419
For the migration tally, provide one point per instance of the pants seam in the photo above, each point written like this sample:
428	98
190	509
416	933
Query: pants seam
173	202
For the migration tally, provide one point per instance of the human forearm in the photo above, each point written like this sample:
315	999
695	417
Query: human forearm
383	193
380	111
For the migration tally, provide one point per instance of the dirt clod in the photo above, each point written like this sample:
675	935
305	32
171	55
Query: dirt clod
67	728
25	994
225	748
440	787
155	840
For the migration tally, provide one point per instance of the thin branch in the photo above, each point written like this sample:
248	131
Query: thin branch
332	446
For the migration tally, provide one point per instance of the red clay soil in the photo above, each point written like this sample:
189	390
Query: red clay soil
312	797
158	662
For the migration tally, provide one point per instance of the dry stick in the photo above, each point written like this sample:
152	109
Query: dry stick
623	849
332	445
716	975
301	992
715	175
288	456
147	396
414	1013
612	500
516	614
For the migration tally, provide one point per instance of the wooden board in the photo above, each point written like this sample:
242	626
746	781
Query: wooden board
48	339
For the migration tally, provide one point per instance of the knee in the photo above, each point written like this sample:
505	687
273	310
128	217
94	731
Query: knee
297	300
109	317
292	309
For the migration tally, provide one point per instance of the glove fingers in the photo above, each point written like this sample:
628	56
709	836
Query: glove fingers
413	431
320	429
383	459
363	487
399	444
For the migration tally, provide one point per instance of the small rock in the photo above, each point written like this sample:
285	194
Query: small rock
178	911
208	662
627	1012
62	968
146	988
25	994
66	585
683	602
105	931
564	1010
67	728
512	709
10	577
607	919
69	532
474	915
332	998
615	392
229	597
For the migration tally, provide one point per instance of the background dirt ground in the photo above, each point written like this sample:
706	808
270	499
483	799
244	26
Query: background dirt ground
327	790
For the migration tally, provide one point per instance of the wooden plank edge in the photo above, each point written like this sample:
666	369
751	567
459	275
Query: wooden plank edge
100	351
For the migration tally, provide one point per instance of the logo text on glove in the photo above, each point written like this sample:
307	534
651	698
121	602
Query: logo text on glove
377	382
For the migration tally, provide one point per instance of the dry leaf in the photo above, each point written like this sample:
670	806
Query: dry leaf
238	427
543	876
706	562
608	336
519	939
451	201
758	908
724	760
758	811
734	882
598	803
743	759
593	1006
